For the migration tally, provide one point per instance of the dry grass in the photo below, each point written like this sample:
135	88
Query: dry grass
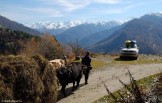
27	79
96	64
100	61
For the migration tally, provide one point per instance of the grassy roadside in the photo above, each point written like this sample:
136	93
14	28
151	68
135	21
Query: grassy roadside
96	64
101	61
144	85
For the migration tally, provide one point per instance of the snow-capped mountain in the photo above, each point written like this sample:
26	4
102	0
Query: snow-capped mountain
85	30
56	28
156	14
54	25
66	32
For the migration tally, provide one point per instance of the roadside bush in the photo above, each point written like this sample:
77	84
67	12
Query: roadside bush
142	91
27	79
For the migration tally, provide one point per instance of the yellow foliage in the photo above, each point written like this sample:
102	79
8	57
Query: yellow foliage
46	46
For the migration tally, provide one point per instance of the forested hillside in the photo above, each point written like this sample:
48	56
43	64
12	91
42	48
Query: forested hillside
18	42
11	42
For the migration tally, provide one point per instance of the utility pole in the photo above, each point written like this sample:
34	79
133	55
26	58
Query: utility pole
77	50
77	46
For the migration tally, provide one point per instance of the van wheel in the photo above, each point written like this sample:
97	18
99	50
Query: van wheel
121	57
135	58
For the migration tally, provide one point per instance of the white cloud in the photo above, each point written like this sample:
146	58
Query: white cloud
108	1
16	16
126	6
107	11
42	9
73	5
130	6
56	8
45	11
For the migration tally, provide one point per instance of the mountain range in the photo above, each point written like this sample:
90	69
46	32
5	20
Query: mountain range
102	37
56	28
83	31
146	30
70	32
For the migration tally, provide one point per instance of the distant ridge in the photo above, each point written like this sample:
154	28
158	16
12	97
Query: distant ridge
6	23
56	28
84	30
66	25
147	30
68	32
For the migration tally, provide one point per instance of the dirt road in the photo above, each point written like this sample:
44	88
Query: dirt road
95	89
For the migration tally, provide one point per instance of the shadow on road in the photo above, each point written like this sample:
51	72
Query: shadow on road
69	92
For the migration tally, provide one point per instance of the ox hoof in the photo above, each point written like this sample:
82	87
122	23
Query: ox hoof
86	83
65	95
73	89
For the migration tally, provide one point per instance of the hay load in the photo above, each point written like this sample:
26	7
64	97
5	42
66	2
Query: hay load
27	79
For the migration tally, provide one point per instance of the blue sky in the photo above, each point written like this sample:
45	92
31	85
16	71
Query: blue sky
29	11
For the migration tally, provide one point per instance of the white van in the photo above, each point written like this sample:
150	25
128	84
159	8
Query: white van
131	50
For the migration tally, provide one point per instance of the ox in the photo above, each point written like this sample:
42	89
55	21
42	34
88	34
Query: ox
56	63
71	73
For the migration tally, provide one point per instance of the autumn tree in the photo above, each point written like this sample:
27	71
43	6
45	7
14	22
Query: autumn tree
46	46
